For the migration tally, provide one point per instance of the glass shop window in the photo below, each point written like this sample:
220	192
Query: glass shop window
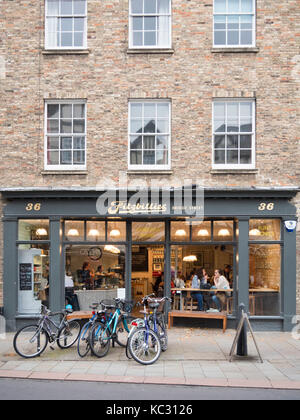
33	229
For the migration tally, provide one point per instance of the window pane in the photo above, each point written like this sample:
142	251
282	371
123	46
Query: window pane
66	24
66	143
149	126
137	38
74	230
95	231
219	126
232	157
148	231
220	38
66	158
232	110
66	126
79	7
136	142
180	231
233	125
136	126
66	111
53	158
233	38
79	126
66	7
219	157
233	6
66	39
52	126
116	231
265	277
150	38
136	6
79	143
162	126
78	111
52	7
33	278
246	6
33	230
79	157
163	110
246	125
163	6
53	143
233	142
150	23
149	142
246	109
223	230
233	22
149	110
162	157
220	22
135	158
219	110
149	157
149	6
246	22
78	39
136	110
219	142
245	157
220	6
137	23
264	229
246	142
162	142
246	37
53	111
201	231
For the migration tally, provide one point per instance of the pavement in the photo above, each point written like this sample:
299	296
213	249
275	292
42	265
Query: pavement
194	357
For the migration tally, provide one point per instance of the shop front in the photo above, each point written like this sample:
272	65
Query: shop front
61	247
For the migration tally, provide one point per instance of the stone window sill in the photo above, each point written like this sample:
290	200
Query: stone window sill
233	171
64	172
235	50
65	52
150	51
150	172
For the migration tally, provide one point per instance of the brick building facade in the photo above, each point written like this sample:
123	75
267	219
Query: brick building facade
191	74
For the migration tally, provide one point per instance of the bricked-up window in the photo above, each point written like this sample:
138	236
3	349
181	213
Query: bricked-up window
234	23
65	26
150	24
65	137
234	134
149	135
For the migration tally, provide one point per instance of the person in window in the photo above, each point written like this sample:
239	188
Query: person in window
220	282
86	276
196	285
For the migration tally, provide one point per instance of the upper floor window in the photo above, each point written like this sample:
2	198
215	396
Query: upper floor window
234	23
150	24
234	134
149	134
65	135
65	26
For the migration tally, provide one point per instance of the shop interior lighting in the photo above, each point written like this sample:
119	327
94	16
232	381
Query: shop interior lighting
73	232
111	248
254	232
180	232
203	232
114	233
94	232
190	258
224	232
41	232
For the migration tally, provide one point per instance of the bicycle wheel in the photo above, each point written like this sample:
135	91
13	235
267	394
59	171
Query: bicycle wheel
30	341
144	346
68	335
122	332
99	339
83	345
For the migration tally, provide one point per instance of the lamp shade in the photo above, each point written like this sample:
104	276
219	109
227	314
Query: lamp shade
180	232
190	258
73	232
224	232
114	233
41	232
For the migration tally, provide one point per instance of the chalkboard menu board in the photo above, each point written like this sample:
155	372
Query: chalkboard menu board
25	276
140	258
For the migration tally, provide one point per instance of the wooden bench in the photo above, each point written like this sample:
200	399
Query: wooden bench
80	315
197	314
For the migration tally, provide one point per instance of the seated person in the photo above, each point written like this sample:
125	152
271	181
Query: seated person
196	285
86	276
220	282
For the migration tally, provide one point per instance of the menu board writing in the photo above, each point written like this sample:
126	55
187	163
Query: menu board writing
25	276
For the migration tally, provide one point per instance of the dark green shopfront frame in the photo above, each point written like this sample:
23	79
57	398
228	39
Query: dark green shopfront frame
235	204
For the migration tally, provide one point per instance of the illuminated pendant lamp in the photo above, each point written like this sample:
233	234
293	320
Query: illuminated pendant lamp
223	232
114	233
254	232
180	232
203	232
190	258
73	232
94	232
41	232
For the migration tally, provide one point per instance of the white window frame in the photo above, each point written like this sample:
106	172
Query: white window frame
62	167
147	47
143	167
60	16
253	136
253	45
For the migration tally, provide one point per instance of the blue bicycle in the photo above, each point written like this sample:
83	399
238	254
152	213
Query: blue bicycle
114	329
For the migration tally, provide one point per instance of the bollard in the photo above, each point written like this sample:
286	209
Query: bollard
242	347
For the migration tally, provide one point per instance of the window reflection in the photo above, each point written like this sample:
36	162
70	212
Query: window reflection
33	230
264	229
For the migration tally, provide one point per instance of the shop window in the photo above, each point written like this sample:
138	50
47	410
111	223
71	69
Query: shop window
33	278
33	229
223	230
264	230
180	231
116	231
95	231
265	275
93	273
74	230
148	231
201	231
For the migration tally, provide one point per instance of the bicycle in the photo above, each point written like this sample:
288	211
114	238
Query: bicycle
115	329
31	341
83	345
146	343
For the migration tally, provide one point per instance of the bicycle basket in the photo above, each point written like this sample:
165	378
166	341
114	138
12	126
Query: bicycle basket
127	305
154	304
